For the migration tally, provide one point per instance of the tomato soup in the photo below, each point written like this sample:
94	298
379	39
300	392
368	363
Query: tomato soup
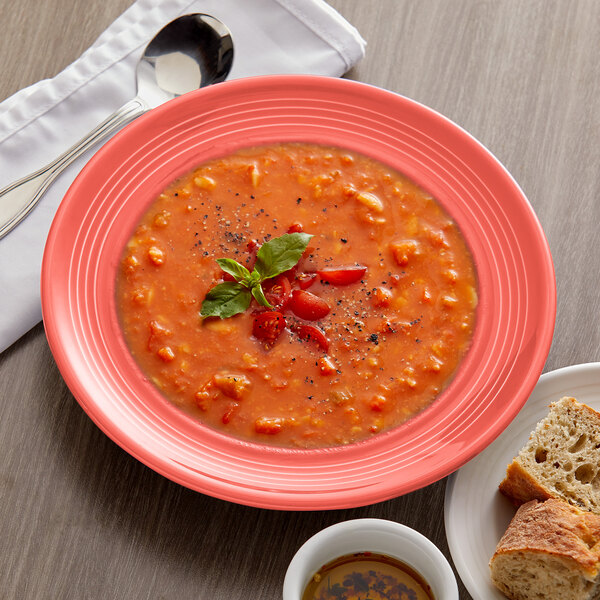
360	335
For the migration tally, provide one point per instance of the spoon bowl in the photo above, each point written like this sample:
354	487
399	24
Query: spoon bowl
191	52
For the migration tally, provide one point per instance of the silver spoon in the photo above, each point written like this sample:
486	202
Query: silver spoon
190	52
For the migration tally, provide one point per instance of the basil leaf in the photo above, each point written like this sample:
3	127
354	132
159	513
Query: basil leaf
280	254
239	272
225	300
259	296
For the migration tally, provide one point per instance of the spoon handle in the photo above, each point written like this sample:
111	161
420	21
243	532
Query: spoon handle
19	198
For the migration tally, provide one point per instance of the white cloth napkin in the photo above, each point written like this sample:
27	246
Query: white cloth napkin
42	121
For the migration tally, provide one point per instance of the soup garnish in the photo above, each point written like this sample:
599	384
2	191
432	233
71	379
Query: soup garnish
273	258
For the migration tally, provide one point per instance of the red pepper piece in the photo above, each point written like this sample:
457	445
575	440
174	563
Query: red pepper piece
310	332
268	325
305	280
342	275
308	306
279	292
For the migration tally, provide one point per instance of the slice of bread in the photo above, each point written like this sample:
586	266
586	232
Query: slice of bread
560	460
550	551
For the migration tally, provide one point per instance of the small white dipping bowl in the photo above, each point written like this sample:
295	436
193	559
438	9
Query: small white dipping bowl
371	535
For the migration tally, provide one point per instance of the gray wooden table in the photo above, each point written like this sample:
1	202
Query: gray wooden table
80	518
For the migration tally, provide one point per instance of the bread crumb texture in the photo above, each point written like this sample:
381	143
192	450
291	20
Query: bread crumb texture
560	460
550	551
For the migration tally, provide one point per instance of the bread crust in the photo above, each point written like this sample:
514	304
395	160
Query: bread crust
520	487
555	528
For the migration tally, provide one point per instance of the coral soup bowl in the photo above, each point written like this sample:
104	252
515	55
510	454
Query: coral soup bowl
516	288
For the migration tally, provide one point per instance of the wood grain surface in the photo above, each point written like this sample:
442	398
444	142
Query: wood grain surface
79	517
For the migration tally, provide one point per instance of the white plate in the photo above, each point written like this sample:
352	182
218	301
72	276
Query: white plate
476	514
